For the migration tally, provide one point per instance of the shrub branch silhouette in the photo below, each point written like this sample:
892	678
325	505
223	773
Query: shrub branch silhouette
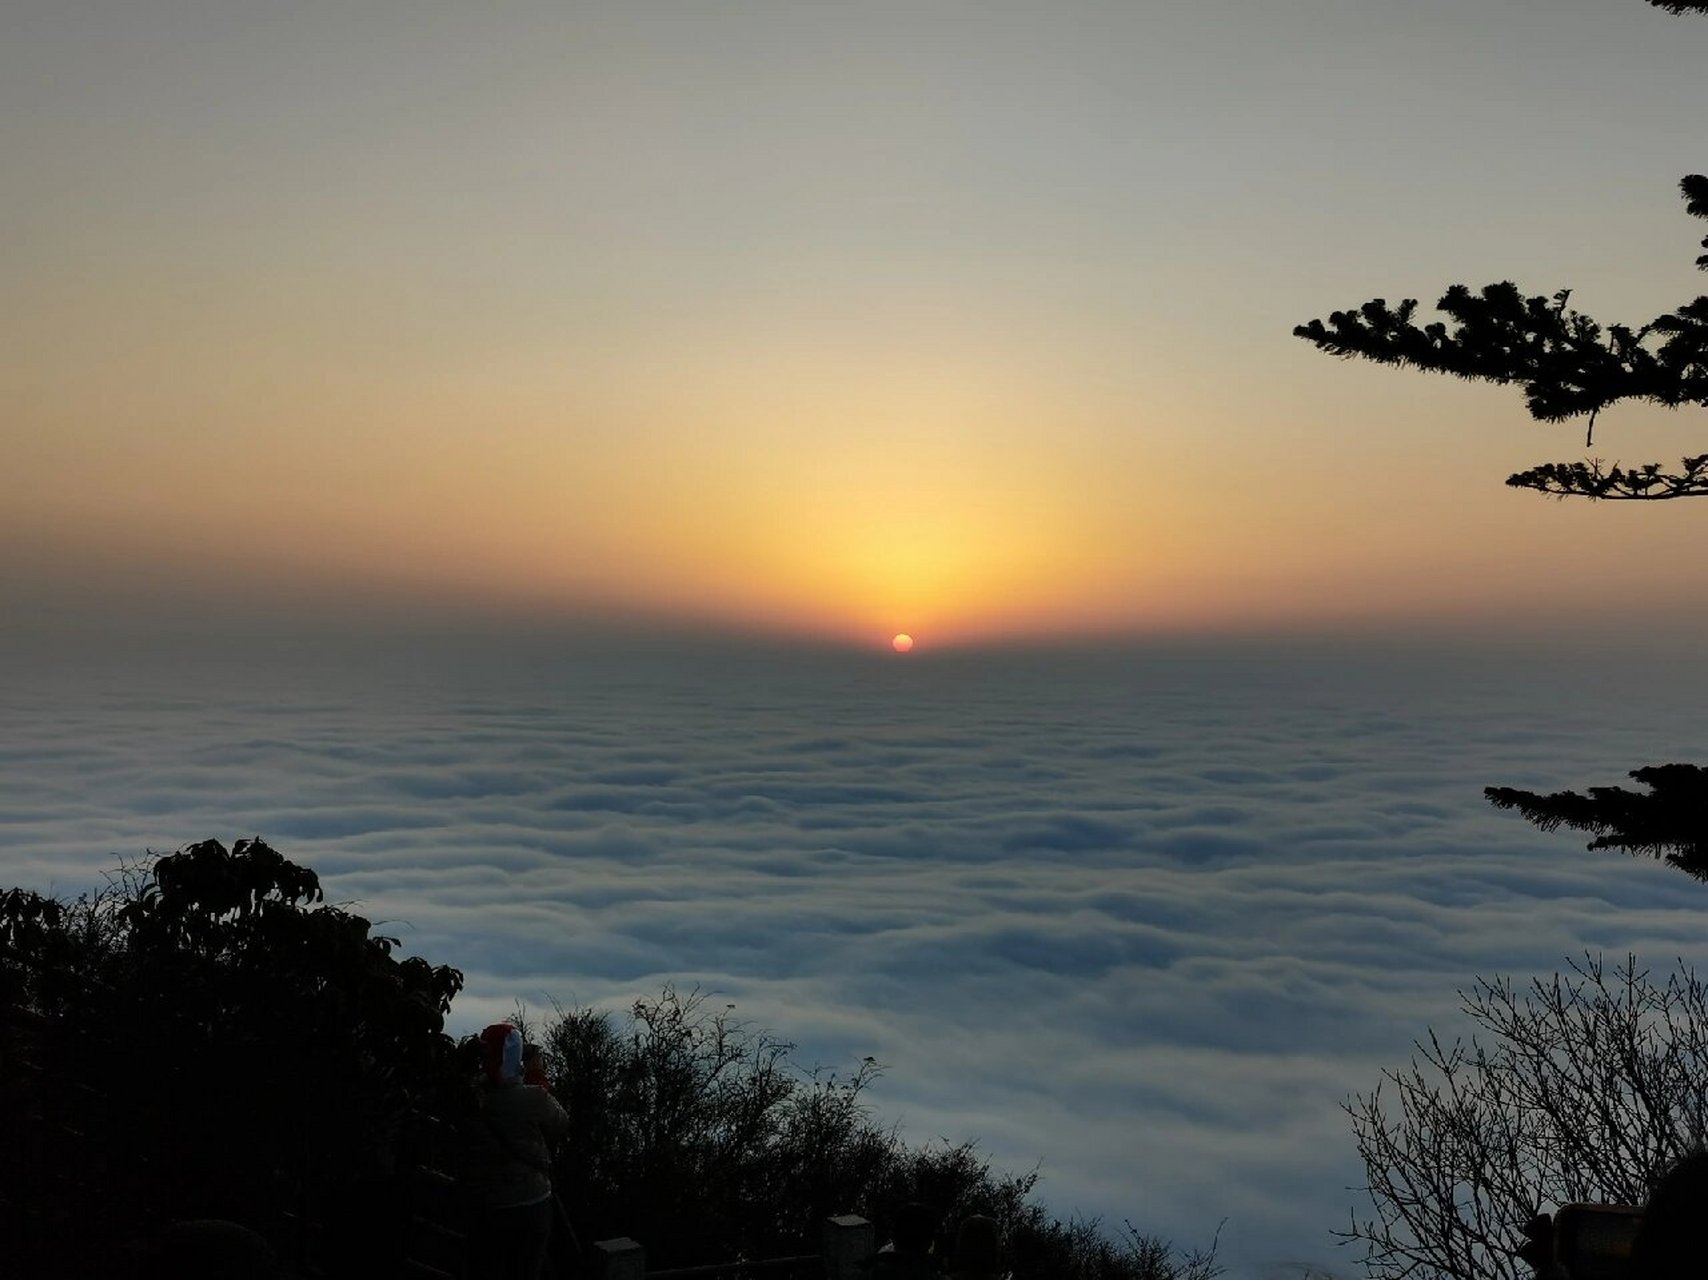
1582	1087
701	1135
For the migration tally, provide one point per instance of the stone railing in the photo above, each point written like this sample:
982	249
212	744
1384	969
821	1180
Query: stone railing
847	1247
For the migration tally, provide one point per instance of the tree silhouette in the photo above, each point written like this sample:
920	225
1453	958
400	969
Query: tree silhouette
1568	364
1669	822
1584	1086
204	1038
704	1138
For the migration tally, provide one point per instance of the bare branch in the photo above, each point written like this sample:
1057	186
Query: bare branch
1584	1086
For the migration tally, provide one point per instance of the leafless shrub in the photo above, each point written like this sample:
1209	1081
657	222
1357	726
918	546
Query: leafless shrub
700	1135
1580	1087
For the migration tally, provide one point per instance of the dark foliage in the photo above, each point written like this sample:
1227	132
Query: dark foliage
701	1137
207	1038
204	1039
1668	821
1568	364
1581	1087
1589	1084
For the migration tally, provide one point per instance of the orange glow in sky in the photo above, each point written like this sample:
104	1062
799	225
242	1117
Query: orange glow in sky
839	325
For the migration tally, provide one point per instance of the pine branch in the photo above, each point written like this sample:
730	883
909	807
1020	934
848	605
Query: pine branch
1568	364
1669	822
1695	188
1589	480
1681	6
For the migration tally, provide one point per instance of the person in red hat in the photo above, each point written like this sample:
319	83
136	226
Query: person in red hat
508	1163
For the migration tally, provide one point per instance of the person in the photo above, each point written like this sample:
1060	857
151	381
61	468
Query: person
908	1256
507	1164
534	1067
978	1250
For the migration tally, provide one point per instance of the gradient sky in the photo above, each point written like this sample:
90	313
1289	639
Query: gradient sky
971	320
830	321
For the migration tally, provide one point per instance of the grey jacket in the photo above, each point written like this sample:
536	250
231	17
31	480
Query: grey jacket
508	1155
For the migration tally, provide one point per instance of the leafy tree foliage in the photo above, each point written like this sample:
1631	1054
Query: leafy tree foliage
203	1038
701	1136
1669	821
1582	1087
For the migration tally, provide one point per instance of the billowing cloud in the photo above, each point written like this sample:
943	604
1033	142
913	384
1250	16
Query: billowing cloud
1147	922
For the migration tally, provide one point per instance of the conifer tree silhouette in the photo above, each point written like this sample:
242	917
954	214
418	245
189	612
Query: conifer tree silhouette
1570	366
1670	821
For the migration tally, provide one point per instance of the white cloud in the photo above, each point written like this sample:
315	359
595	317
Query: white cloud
1149	924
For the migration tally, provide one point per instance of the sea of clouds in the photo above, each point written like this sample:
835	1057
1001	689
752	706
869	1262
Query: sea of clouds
1147	916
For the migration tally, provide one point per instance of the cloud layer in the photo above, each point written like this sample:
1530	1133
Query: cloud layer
1145	917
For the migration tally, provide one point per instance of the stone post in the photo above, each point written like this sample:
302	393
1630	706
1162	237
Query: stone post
619	1259
848	1244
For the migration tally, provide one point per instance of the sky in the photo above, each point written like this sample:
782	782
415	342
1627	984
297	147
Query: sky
564	404
819	320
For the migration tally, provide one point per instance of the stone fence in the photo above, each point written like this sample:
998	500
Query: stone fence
847	1247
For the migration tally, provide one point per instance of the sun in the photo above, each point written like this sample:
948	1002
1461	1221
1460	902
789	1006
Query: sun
902	643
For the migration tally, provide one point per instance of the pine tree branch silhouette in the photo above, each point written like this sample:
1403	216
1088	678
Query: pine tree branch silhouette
1567	364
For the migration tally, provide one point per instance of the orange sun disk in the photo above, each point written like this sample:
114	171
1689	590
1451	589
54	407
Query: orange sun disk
902	643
